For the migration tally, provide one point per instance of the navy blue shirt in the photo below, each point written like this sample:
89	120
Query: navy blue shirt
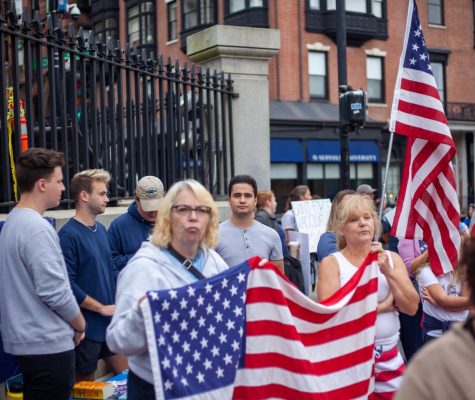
326	245
126	234
89	263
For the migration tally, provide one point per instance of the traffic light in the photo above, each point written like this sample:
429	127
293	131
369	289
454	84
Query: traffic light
353	107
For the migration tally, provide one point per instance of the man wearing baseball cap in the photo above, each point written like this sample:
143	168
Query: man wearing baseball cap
127	232
366	190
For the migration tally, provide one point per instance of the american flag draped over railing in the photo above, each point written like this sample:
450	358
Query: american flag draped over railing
248	333
427	206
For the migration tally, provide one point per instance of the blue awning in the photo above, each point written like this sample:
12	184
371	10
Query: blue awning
328	151
286	151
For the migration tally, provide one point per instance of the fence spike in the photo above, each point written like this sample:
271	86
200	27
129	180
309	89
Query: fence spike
185	72
127	53
118	52
110	48
92	41
37	25
26	20
49	25
13	18
72	39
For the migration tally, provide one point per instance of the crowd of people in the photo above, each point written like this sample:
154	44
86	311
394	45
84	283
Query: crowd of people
70	299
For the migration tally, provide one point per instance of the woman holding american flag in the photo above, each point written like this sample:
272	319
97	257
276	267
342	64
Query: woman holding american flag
356	225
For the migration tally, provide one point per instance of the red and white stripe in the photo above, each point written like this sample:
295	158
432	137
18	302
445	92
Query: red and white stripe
388	370
428	206
297	348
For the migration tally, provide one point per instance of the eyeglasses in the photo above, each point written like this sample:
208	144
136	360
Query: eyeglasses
185	211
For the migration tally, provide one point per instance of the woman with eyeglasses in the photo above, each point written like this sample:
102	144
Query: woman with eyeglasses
185	231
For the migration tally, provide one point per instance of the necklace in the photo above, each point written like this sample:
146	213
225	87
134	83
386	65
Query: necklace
92	228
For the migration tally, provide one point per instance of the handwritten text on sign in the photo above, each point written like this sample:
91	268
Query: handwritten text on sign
311	217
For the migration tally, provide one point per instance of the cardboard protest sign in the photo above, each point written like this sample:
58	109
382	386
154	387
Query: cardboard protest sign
311	217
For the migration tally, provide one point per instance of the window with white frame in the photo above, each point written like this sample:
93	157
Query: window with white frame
375	77
436	12
172	20
317	74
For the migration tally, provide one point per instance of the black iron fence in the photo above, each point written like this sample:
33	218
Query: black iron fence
103	106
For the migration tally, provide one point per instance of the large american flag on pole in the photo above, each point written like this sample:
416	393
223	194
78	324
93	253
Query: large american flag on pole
248	333
427	206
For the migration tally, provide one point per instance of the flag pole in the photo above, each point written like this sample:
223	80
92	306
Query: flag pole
388	159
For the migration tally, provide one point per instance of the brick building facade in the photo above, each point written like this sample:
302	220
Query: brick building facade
304	76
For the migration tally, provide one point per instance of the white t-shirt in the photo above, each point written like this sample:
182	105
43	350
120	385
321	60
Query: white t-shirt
288	221
427	278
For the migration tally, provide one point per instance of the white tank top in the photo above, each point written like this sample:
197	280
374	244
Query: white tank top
387	324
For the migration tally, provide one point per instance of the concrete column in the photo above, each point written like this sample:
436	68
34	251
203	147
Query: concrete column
244	53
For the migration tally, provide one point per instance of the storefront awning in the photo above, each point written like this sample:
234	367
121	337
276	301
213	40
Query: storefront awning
328	151
286	151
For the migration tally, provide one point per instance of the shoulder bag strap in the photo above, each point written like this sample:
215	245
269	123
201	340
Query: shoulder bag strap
187	264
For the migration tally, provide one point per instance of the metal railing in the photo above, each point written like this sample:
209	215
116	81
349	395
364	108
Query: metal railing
105	107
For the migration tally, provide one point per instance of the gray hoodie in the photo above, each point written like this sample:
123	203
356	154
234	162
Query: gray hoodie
149	269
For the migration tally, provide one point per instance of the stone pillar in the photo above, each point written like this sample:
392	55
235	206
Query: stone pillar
244	53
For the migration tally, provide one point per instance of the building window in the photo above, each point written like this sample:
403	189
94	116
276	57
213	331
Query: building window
107	27
317	75
198	12
314	4
358	6
377	8
393	183
140	28
375	76
436	12
172	20
438	70
239	5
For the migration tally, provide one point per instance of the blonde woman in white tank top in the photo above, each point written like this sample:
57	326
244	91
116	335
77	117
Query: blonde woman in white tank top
356	224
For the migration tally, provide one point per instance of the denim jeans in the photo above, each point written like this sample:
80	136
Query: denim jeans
48	376
138	389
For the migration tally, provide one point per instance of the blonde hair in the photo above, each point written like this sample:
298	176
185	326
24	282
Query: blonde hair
162	232
351	205
82	181
333	210
418	270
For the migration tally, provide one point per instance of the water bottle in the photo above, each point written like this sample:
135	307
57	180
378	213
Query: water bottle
15	391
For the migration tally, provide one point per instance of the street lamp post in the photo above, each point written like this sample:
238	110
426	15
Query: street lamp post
342	85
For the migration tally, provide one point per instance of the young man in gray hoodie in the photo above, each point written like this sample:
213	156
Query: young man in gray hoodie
40	319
